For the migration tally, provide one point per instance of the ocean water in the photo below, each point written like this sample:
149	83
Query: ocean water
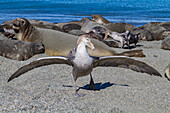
136	12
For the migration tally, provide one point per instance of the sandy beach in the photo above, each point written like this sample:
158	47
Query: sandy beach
50	88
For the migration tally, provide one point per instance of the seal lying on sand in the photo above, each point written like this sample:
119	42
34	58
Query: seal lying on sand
166	43
36	23
85	67
88	25
20	50
59	44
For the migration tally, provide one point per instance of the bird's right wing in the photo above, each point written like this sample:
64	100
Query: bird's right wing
125	62
38	63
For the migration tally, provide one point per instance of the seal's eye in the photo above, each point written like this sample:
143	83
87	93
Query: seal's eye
22	21
37	46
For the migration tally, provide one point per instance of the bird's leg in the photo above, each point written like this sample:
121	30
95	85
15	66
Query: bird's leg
91	85
135	45
76	90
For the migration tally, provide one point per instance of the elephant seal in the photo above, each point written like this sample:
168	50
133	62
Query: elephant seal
59	44
7	31
99	19
36	23
89	25
119	27
145	35
76	32
166	43
160	30
20	50
167	72
68	27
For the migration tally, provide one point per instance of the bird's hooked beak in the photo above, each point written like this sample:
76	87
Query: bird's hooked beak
86	40
90	45
106	34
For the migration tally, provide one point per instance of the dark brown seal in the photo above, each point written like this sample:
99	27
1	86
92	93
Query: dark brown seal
20	50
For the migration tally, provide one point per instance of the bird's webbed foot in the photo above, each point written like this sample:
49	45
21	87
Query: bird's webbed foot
79	94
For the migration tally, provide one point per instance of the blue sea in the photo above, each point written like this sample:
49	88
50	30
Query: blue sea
136	12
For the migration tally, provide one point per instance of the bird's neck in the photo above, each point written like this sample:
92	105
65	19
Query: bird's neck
82	58
82	50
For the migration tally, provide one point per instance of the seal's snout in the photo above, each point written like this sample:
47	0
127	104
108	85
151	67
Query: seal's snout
16	23
40	48
16	26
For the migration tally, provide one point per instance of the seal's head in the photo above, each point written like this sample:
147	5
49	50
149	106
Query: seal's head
22	28
20	24
99	19
85	19
37	47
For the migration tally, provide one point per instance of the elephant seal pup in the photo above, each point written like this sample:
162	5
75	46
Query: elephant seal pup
20	50
59	44
99	19
167	72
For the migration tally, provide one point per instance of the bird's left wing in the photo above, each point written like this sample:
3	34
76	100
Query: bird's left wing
125	62
38	63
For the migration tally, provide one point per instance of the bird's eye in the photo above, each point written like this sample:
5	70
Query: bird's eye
88	39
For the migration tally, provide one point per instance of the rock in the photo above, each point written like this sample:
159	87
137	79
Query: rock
166	43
